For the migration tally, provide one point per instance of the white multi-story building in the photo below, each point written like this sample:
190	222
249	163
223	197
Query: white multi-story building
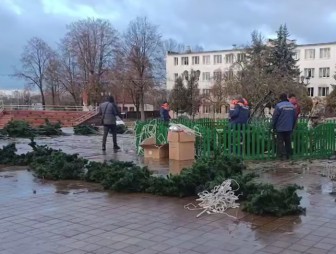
317	64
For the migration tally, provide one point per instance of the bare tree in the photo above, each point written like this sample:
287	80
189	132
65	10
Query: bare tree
218	95
35	61
69	72
94	44
53	84
171	45
143	55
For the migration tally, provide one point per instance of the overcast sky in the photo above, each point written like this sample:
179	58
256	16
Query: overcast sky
213	24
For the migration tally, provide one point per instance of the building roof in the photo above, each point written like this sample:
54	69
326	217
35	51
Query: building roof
171	53
203	52
316	44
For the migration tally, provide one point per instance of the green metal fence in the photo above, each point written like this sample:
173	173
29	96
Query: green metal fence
255	141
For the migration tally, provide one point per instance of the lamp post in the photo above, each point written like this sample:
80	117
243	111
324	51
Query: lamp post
304	80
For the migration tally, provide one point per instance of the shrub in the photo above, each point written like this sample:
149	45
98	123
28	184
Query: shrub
16	128
49	129
22	129
85	129
59	166
259	198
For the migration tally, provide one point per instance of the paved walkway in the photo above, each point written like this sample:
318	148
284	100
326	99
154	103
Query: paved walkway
90	148
75	218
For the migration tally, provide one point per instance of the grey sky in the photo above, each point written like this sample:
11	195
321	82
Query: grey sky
213	24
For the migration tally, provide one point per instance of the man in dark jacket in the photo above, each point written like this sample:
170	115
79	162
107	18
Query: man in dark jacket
109	111
283	122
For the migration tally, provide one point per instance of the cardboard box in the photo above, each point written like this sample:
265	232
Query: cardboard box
175	167
180	136
156	152
152	151
148	141
182	151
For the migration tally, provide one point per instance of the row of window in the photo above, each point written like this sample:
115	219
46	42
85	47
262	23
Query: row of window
126	109
206	76
213	109
206	60
218	75
323	72
322	91
310	53
324	53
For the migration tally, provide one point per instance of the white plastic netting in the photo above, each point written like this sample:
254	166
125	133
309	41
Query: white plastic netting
218	200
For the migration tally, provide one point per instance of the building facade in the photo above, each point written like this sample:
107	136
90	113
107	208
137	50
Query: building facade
316	63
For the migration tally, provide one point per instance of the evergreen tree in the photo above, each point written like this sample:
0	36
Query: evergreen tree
268	68
193	93
178	95
282	53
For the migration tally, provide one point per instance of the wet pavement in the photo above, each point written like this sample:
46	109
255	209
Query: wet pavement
76	217
89	147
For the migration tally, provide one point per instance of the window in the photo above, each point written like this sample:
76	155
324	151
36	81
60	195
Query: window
175	76
206	91
175	60
240	57
311	91
125	109
229	75
206	76
296	55
325	53
195	60
229	58
309	53
309	72
206	109
206	59
324	72
323	91
217	75
218	109
217	59
185	60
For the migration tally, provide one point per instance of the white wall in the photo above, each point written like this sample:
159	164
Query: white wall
318	63
315	63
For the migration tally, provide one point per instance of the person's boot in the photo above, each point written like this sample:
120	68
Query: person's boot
104	148
116	147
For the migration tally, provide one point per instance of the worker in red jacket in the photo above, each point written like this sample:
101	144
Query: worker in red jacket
292	99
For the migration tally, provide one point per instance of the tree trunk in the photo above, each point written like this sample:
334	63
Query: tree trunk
142	107
43	100
53	94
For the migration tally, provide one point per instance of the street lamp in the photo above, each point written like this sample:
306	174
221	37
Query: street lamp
305	80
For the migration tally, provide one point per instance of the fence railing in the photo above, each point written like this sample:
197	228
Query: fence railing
48	107
255	141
